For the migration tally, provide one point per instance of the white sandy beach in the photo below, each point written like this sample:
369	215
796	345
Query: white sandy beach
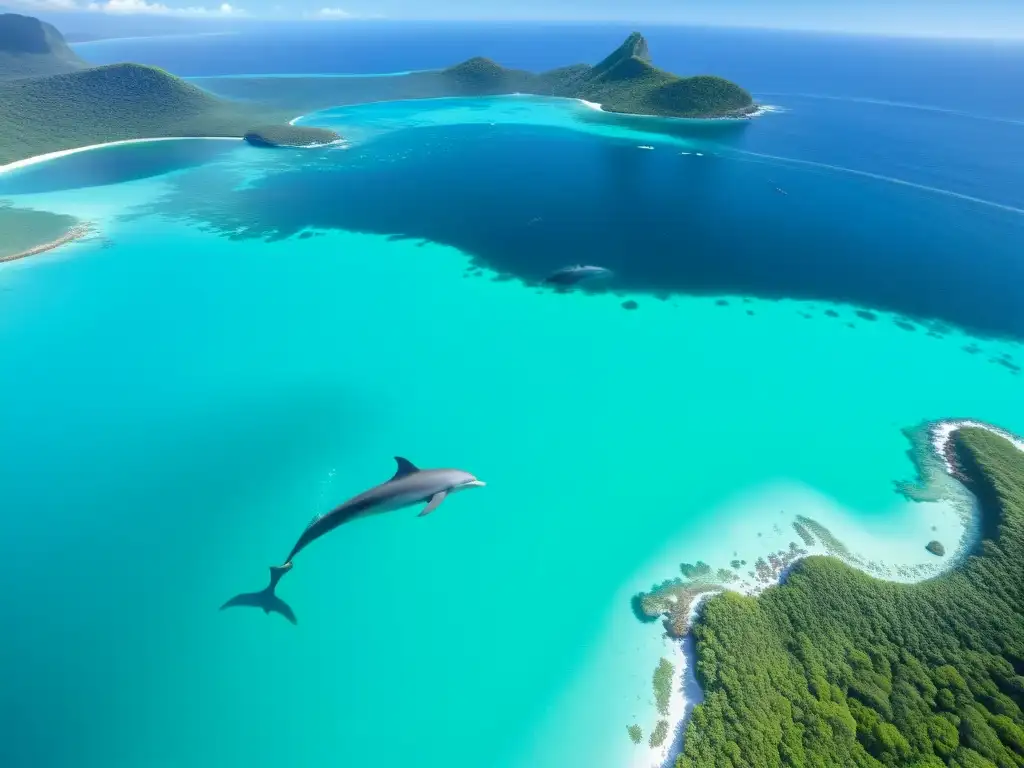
65	152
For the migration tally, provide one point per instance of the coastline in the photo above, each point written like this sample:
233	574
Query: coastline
758	111
24	163
941	434
687	692
77	232
299	76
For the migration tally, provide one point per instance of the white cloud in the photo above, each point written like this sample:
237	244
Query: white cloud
127	7
160	9
331	13
47	5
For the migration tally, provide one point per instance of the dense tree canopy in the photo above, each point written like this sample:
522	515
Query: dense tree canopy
836	668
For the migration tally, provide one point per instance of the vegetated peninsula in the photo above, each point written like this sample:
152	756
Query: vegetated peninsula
26	232
120	101
837	668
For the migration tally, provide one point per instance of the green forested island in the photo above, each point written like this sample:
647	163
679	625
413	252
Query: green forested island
51	100
837	668
625	81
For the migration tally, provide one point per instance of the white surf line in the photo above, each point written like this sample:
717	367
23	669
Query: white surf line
184	36
889	179
598	108
684	656
310	75
942	432
898	105
65	152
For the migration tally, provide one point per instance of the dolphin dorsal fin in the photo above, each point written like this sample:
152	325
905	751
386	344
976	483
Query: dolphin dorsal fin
405	467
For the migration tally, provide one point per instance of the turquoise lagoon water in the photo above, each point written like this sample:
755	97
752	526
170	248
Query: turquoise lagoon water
183	395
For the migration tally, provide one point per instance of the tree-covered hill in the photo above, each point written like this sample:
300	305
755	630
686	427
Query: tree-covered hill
31	47
836	668
120	101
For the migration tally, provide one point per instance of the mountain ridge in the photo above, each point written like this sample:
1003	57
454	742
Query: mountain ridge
625	81
30	47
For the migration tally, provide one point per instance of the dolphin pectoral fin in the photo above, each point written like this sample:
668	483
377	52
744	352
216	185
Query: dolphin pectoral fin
435	502
405	467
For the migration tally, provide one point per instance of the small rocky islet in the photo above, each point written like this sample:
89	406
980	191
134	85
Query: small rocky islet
295	136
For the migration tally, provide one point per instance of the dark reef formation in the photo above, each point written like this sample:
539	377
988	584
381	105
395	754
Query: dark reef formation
630	304
658	229
936	548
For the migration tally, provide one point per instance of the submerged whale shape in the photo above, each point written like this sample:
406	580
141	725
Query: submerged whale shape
409	485
575	274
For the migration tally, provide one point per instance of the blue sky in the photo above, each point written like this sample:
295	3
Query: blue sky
981	18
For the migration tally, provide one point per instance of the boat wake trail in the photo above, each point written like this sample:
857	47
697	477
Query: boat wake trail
761	157
898	105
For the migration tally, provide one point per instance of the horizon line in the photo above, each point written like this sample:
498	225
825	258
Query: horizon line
635	24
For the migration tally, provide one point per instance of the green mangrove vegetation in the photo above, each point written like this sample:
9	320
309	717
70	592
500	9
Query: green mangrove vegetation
663	684
804	534
832	545
659	734
636	733
837	668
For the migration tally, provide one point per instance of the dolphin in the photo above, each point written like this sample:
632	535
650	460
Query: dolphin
410	485
575	274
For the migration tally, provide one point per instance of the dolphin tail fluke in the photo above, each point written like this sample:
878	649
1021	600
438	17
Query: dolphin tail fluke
266	599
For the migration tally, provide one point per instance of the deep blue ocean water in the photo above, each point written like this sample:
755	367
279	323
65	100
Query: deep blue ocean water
257	333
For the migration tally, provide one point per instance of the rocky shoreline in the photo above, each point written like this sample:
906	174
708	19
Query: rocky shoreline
941	435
